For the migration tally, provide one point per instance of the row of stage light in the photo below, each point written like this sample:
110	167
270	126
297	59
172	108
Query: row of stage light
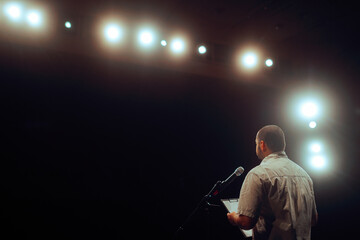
17	14
316	150
114	35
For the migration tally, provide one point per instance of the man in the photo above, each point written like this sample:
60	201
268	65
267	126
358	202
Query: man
277	197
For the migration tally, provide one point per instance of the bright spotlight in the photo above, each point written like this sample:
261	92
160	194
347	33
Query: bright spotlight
113	32
146	38
315	147
34	18
202	49
312	124
13	11
68	24
309	109
163	43
249	60
269	62
178	46
318	162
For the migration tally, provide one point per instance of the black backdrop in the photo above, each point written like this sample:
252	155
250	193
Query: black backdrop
95	148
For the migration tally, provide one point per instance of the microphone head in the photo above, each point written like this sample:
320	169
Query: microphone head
239	171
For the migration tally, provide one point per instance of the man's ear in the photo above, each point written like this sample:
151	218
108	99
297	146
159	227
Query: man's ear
263	146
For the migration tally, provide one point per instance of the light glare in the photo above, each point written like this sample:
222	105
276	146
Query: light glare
163	43
202	49
68	24
34	18
13	11
269	62
146	37
312	124
249	60
113	33
315	147
309	109
178	45
318	162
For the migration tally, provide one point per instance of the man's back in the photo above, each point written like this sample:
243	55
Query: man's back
281	193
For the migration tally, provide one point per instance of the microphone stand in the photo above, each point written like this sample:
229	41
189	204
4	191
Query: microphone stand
204	201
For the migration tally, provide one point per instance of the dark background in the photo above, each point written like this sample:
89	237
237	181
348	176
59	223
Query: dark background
93	146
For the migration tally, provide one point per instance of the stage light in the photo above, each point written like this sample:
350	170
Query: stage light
249	60
34	18
202	49
177	45
146	37
315	147
312	124
113	33
309	109
68	24
269	62
318	162
163	43
13	11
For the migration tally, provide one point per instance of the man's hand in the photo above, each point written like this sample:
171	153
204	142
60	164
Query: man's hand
233	218
241	221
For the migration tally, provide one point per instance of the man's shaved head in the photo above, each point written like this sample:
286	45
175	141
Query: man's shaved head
273	136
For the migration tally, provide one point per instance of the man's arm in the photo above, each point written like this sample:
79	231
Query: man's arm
250	201
244	222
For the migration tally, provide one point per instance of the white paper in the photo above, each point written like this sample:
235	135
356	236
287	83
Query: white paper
232	206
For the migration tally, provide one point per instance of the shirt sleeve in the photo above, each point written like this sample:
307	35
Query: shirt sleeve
251	196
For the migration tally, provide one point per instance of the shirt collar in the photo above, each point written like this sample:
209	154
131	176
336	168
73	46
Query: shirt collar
274	155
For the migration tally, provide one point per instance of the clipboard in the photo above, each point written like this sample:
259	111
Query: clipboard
231	205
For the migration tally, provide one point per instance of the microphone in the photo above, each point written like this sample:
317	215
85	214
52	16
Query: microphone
232	177
218	187
221	185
